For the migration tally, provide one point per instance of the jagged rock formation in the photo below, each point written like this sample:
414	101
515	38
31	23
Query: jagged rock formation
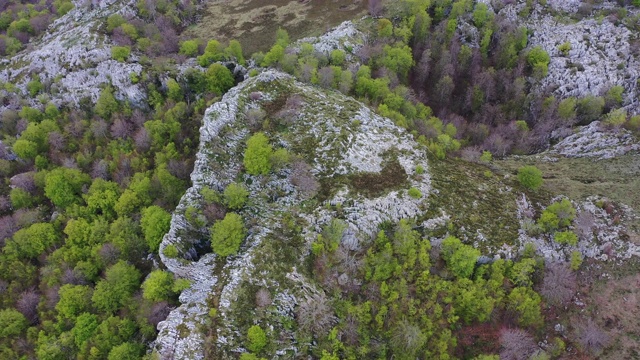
596	141
74	59
601	54
362	162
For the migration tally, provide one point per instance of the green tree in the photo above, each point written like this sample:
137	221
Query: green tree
32	241
227	235
12	323
590	108
174	91
189	48
274	56
63	186
460	258
126	351
158	286
256	157
85	327
107	104
25	149
234	50
337	57
256	339
120	53
219	79
115	290
21	198
526	303
74	300
566	238
567	109
155	222
113	21
539	60
102	198
282	37
398	59
530	177
235	196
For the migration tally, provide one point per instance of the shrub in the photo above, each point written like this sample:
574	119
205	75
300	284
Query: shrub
235	196
576	260
530	177
257	339
486	156
419	170
171	251
189	48
256	157
566	238
564	48
120	53
415	193
227	235
590	108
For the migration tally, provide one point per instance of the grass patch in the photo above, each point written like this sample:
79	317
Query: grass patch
254	23
392	176
617	179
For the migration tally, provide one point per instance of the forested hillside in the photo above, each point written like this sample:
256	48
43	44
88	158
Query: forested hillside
433	179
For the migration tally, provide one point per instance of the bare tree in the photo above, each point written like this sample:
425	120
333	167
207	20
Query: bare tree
315	314
585	222
516	344
142	140
591	337
121	129
159	312
407	338
375	7
263	298
8	226
24	181
559	284
99	128
325	76
28	305
302	178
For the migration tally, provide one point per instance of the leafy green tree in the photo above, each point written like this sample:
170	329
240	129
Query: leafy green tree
256	157
274	56
21	198
115	290
398	59
126	351
576	260
25	149
227	235
256	339
137	195
566	238
282	37
155	222
189	48
530	177
559	214
174	91
472	301
234	50
120	53
114	21
63	186
158	286
590	108
74	300
102	198
12	323
125	234
521	272
107	104
34	86
32	241
235	196
219	79
539	60
112	332
526	303
613	97
460	258
567	109
337	57
85	327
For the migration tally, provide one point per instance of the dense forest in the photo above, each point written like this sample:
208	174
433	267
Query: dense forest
88	190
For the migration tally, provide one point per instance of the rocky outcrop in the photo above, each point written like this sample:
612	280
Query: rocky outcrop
596	141
74	58
347	140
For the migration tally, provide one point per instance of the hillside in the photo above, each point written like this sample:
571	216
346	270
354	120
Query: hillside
319	179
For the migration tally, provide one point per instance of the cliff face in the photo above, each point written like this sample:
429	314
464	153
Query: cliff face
358	164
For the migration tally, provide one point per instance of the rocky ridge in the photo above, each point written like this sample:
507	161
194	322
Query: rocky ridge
74	59
346	139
